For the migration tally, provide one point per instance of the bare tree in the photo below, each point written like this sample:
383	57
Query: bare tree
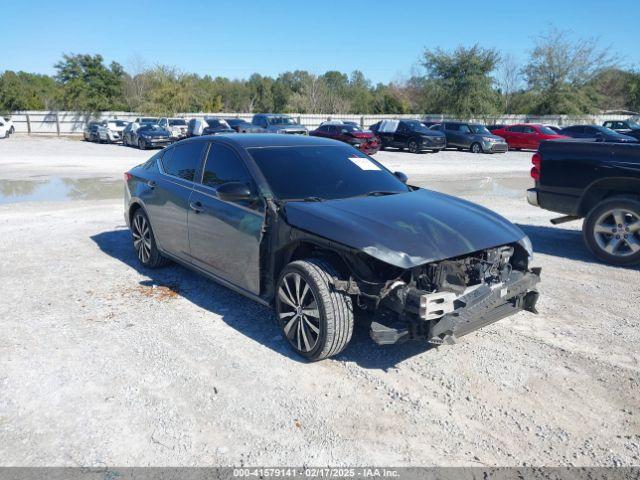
558	60
509	80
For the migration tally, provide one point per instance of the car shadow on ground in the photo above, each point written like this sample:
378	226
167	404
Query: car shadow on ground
561	242
244	315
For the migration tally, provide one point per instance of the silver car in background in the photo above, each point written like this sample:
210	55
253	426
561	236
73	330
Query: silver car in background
176	127
110	131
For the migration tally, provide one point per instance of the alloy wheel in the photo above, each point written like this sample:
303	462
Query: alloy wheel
617	232
298	312
141	238
475	148
413	147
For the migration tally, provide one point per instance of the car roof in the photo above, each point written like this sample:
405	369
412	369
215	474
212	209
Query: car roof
256	140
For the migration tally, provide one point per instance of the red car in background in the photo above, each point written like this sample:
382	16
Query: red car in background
364	141
526	135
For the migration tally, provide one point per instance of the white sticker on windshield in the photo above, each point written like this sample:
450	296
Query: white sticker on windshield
364	163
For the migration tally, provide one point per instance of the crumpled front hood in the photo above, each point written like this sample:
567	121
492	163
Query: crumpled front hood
405	230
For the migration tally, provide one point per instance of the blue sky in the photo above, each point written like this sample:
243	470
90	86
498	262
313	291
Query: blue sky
384	39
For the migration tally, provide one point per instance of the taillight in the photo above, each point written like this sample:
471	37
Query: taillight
127	176
536	160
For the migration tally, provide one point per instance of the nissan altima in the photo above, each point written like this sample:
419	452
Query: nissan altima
315	228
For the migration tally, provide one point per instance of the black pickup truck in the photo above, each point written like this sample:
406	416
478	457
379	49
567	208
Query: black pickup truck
599	182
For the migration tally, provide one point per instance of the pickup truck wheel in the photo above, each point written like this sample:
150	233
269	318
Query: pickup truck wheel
612	231
144	242
316	320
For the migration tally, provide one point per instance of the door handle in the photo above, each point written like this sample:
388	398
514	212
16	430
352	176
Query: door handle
151	184
196	207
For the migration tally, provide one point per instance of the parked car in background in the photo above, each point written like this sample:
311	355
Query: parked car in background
5	129
8	123
146	120
409	134
471	136
313	228
526	135
599	182
110	131
366	142
596	133
429	123
145	136
176	127
242	126
90	132
555	128
208	126
277	123
625	127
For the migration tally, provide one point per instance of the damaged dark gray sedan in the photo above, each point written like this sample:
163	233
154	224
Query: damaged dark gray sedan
315	228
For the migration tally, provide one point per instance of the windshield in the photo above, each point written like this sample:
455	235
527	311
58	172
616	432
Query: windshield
217	123
327	172
634	125
480	129
416	126
548	131
118	123
177	122
349	128
282	120
148	120
150	127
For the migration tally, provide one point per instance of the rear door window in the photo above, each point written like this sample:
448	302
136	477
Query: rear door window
516	129
183	161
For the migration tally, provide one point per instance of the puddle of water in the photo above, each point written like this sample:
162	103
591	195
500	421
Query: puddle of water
511	187
59	189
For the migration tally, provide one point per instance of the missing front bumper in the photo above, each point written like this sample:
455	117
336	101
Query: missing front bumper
471	311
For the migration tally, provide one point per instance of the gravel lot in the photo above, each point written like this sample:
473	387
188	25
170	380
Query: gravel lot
105	363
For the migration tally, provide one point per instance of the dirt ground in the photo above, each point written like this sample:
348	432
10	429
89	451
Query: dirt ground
105	363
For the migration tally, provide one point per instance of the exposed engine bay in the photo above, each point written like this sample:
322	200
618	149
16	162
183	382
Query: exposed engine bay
444	300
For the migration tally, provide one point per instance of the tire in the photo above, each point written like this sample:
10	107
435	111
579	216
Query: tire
611	231
12	130
412	146
435	151
319	336
142	145
476	148
144	241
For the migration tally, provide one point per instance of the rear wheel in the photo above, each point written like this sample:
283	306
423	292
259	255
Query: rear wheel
142	145
144	242
476	148
611	231
316	320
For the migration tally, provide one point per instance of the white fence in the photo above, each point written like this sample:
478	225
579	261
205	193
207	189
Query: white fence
72	123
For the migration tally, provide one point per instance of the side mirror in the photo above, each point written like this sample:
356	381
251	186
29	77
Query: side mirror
234	191
401	176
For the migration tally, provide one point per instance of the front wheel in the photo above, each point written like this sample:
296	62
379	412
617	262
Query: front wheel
476	147
142	145
412	146
12	130
316	320
611	231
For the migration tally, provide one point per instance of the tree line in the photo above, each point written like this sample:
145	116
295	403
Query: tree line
561	75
